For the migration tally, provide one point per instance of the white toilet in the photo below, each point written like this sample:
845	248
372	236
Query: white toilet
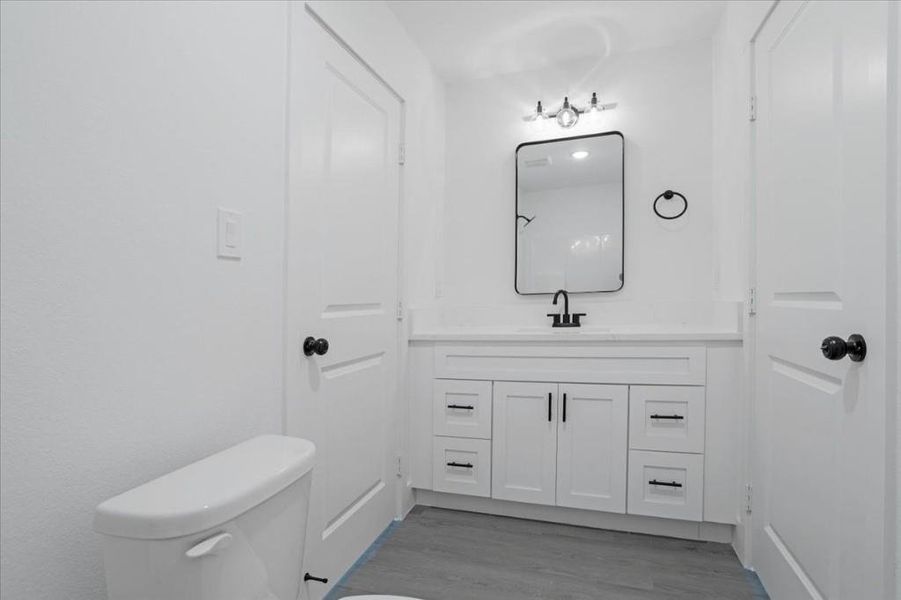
229	527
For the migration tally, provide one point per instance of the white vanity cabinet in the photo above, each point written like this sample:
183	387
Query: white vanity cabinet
552	444
631	429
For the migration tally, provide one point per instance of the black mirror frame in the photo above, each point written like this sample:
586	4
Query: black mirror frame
622	268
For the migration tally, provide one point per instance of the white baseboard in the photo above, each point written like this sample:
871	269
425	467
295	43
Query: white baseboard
690	530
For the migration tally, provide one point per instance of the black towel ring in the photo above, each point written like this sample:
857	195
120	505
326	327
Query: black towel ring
668	195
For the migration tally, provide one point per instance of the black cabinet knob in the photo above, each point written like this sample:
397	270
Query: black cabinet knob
313	346
835	348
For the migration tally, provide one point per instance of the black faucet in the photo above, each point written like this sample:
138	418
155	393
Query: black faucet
566	319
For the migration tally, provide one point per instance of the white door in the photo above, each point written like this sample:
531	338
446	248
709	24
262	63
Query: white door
591	446
342	269
820	425
524	442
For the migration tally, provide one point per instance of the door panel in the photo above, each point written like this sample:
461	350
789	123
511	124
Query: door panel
809	450
591	447
341	278
354	453
819	439
524	442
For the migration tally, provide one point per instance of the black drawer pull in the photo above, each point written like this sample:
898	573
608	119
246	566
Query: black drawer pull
463	465
672	484
461	406
673	417
564	408
549	396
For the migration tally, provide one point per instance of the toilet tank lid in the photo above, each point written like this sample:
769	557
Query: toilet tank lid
208	492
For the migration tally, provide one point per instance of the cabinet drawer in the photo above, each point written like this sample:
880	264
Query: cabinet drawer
462	408
461	466
668	418
666	484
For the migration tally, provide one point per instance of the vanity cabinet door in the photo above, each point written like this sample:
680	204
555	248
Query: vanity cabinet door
524	442
592	447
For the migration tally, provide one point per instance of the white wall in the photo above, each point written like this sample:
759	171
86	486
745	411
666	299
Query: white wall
664	112
128	348
732	193
732	146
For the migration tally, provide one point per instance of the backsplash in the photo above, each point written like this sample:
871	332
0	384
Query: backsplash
720	316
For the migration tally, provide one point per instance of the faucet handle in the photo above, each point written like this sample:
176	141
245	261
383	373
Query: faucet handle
577	319
556	319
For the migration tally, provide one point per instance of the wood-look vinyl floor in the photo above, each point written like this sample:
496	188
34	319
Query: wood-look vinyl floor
438	554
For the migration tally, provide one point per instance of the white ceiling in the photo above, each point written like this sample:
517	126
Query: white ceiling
482	38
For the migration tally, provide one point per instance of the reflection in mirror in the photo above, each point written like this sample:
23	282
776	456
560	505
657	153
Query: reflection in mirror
569	215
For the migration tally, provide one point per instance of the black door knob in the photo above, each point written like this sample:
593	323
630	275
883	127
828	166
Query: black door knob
835	348
313	346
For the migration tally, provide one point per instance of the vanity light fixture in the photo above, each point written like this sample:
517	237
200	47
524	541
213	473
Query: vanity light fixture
568	114
580	154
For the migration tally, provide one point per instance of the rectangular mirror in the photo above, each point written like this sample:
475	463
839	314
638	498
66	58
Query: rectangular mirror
569	215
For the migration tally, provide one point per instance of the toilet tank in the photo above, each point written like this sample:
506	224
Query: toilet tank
229	527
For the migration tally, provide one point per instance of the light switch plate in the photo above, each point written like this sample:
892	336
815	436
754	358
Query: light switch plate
230	234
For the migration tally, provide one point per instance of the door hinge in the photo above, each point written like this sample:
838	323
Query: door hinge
752	108
400	310
401	153
748	498
752	301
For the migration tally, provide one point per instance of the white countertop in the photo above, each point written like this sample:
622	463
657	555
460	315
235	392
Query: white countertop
582	334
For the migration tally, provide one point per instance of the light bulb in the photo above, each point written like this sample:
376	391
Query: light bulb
539	113
567	117
593	107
